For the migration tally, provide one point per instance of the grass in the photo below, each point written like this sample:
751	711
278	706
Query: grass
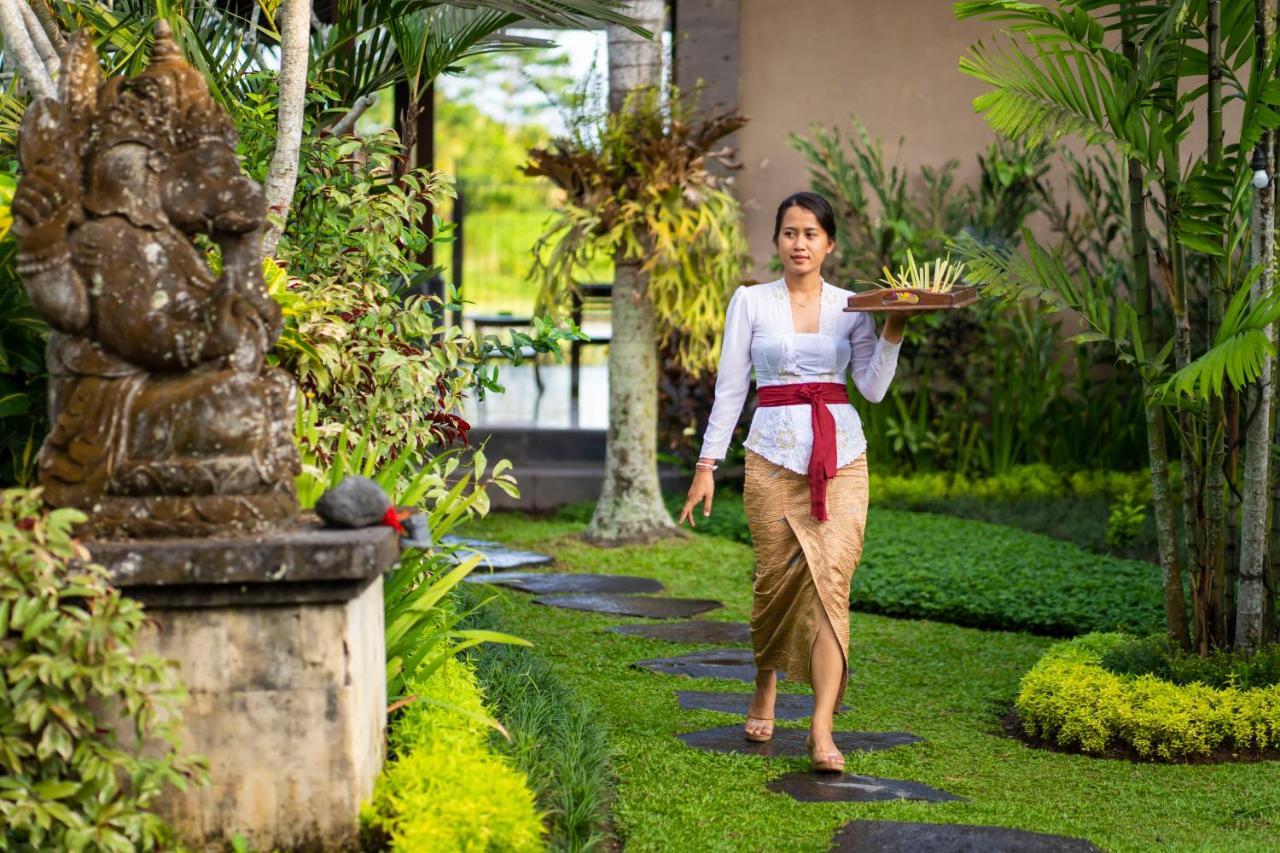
497	255
943	682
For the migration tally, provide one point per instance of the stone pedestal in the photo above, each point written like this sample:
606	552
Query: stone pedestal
281	647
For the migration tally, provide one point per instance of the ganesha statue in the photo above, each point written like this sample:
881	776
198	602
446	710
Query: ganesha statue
165	419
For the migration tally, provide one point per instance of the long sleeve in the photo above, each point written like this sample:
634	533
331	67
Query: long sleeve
733	378
873	360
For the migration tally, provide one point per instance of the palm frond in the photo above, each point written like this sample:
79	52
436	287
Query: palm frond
1049	91
1239	350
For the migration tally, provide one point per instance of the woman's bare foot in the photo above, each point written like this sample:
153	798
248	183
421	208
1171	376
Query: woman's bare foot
760	712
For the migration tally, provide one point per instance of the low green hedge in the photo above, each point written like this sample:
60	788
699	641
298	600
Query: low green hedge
990	576
445	789
1071	699
1021	482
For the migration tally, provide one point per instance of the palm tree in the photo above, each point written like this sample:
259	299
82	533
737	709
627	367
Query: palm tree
1061	70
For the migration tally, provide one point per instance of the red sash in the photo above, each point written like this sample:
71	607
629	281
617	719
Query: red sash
822	458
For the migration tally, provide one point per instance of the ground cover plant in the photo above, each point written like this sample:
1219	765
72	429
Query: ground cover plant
443	788
943	682
557	741
981	574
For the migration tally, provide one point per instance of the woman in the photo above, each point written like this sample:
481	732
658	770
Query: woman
805	493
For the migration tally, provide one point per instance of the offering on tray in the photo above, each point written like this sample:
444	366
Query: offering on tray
916	287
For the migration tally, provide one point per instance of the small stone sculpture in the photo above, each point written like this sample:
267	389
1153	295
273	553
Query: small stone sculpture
165	419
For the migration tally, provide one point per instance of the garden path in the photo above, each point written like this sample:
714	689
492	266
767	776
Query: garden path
631	595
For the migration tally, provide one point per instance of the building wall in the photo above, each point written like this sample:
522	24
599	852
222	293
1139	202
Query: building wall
893	63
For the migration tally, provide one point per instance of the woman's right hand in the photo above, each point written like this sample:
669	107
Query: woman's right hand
701	490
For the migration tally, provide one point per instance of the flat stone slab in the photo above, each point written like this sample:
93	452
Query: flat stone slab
494	555
566	582
631	605
791	742
788	706
738	664
305	553
696	631
887	836
809	787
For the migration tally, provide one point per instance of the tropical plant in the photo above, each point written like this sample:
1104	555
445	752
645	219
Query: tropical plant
1131	79
22	371
639	185
73	780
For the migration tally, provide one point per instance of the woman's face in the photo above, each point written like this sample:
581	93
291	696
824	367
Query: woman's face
802	243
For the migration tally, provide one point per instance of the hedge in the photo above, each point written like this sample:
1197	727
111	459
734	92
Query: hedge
1069	698
445	789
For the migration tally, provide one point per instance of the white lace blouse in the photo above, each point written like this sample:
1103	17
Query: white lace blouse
760	333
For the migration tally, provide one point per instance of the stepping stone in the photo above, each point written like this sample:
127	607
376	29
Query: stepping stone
632	605
560	582
809	787
494	555
788	706
738	664
887	836
791	742
697	631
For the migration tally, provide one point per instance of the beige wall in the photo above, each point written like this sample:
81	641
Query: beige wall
893	63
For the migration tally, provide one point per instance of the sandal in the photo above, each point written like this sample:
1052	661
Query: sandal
758	738
825	762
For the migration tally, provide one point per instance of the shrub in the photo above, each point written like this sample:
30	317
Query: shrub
557	741
69	783
444	790
1071	699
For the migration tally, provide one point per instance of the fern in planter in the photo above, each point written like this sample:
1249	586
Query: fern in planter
67	782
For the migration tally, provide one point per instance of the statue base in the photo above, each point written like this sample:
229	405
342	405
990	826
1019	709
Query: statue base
280	643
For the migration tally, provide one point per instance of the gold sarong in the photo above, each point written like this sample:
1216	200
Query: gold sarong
801	561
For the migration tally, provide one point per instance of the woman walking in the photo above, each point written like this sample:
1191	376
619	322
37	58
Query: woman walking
805	494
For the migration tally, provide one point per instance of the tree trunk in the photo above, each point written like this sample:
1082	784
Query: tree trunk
1175	607
295	45
1215	617
1251	601
634	61
39	38
18	45
48	24
630	508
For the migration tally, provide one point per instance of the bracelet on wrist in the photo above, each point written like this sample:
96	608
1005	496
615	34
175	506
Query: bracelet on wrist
705	466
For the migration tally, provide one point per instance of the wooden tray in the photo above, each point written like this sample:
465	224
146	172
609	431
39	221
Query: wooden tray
911	299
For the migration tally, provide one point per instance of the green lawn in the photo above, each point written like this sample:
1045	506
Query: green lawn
943	682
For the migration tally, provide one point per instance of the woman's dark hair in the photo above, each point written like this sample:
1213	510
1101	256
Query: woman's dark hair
812	202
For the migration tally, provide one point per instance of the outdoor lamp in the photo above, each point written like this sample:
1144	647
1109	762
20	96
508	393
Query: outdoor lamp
1259	164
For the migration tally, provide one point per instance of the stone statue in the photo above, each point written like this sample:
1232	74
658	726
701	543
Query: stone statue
165	419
